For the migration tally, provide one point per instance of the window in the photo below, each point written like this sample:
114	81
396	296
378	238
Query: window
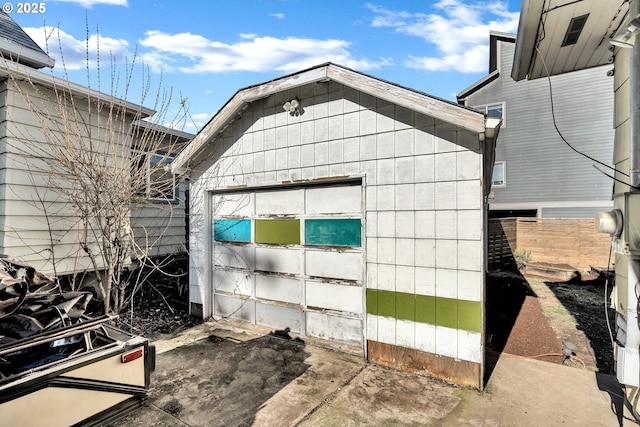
498	179
573	31
494	111
161	183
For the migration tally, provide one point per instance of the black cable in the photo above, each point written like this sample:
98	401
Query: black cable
555	124
615	179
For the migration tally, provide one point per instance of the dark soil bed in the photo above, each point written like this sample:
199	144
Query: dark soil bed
533	316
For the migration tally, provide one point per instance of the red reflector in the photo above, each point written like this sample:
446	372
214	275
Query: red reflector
132	355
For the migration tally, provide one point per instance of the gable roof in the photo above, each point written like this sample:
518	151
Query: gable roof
544	25
494	64
417	101
16	45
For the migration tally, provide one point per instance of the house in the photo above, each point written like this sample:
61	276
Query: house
339	206
160	216
37	221
536	172
563	37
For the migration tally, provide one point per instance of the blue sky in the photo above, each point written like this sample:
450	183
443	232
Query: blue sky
207	50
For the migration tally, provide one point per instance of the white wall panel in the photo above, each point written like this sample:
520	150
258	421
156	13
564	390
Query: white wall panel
235	308
231	281
334	328
234	256
278	260
387	330
406	333
333	296
333	200
235	204
470	346
470	285
425	337
338	265
280	202
446	341
278	288
279	317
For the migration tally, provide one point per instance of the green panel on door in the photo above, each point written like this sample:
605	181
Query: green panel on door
333	232
277	231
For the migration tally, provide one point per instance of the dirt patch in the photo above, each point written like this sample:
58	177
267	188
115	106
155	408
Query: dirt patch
576	311
532	316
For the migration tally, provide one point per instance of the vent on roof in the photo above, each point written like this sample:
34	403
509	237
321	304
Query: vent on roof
575	28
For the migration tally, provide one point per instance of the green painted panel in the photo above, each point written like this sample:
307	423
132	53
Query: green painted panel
386	303
372	301
405	306
277	231
333	232
447	312
452	313
469	316
426	309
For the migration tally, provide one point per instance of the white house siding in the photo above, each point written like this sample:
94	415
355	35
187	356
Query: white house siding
423	237
159	227
542	172
37	225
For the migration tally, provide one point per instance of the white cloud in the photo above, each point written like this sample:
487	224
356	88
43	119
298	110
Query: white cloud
71	53
277	15
90	3
460	31
252	53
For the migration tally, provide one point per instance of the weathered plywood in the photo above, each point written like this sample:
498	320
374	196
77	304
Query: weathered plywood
456	371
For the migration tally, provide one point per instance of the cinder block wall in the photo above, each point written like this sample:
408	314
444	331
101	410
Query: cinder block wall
423	236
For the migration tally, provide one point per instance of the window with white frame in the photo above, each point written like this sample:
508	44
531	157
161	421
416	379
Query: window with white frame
498	178
161	182
494	111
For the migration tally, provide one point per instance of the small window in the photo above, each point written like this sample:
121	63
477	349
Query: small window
574	29
498	179
494	111
161	183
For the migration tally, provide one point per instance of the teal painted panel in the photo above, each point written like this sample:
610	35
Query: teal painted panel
333	232
232	230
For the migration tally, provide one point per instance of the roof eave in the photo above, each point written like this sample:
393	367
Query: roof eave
30	57
460	96
527	38
13	70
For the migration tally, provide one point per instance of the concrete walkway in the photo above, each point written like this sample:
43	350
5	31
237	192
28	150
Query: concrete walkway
232	374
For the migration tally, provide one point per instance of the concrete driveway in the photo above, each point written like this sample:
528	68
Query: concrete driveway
232	374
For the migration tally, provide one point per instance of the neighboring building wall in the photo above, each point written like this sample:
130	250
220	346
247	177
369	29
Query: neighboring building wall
160	228
541	171
37	224
422	307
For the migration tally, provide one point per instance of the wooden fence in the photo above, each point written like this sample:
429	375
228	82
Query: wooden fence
550	240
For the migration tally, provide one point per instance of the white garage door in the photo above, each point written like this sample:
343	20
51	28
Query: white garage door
291	258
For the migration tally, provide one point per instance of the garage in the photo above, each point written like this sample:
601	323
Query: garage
291	258
346	208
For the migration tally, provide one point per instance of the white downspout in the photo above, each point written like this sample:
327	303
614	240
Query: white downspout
634	148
